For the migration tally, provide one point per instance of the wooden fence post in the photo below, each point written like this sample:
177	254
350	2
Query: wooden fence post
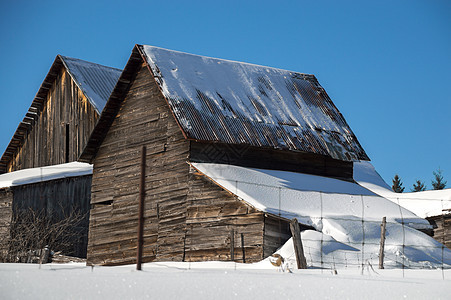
242	248
382	245
232	245
297	242
142	194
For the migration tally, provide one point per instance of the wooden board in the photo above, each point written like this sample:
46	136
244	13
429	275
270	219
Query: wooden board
186	216
6	199
266	158
47	140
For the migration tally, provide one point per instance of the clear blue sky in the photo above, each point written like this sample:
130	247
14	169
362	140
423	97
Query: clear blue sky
385	64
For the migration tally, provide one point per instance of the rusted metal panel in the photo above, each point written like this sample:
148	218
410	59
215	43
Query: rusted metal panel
217	100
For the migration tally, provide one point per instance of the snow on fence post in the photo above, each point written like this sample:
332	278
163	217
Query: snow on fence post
297	242
382	245
142	194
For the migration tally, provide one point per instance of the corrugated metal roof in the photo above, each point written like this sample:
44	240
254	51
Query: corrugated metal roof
238	103
96	81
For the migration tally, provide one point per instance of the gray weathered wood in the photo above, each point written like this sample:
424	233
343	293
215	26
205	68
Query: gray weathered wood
142	195
187	216
242	248
382	244
232	245
60	130
297	242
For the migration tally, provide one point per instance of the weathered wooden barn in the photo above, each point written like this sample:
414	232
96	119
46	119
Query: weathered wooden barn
61	116
54	131
188	109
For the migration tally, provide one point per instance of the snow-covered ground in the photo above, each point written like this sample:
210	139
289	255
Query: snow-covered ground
216	280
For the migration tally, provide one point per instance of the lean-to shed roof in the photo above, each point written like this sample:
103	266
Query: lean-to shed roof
94	80
40	174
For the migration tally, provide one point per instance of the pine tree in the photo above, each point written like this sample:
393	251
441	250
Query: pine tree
418	186
397	185
438	183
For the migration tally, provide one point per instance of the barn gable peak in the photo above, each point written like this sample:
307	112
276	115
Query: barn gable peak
222	101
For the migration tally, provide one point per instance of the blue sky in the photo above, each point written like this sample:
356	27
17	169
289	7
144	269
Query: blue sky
385	64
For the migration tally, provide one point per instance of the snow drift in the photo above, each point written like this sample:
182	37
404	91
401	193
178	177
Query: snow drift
345	215
424	204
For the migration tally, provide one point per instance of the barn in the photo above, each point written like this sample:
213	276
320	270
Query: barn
62	115
194	115
54	132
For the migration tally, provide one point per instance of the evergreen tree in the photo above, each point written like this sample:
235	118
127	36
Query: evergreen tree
438	183
418	186
397	185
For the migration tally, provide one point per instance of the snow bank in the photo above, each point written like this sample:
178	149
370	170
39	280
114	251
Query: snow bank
423	204
222	280
346	216
34	175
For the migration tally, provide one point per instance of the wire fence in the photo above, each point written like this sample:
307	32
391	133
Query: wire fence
346	228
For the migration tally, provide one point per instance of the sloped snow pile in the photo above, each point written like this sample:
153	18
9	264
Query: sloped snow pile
34	175
347	217
215	280
423	204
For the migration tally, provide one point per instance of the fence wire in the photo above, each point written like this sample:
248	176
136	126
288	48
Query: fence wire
348	227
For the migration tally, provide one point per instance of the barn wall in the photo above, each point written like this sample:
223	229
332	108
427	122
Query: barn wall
186	216
267	158
213	216
6	199
57	199
45	144
143	119
442	229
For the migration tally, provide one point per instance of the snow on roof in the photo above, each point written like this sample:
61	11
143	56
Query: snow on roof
347	216
423	204
34	175
239	103
96	81
307	197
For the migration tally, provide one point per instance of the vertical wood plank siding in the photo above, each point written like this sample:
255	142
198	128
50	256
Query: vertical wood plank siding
186	217
6	199
45	144
277	232
57	199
